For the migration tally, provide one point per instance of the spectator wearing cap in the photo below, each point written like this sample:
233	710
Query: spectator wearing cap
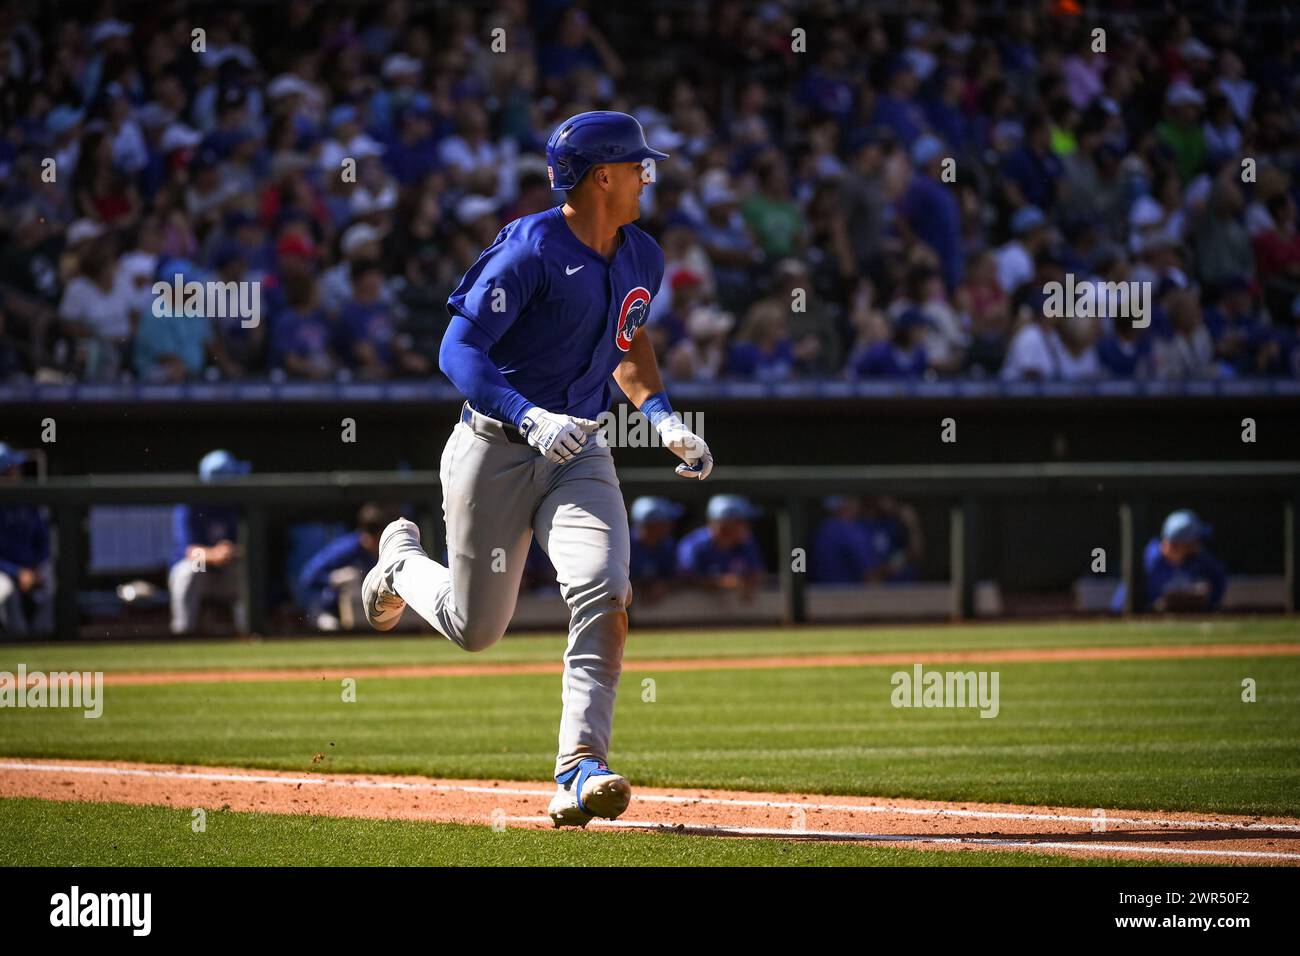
930	209
26	593
401	74
1181	129
303	335
413	152
701	355
902	355
174	346
478	218
1220	243
368	329
686	293
843	552
726	241
206	557
1030	237
653	567
328	587
723	555
361	242
814	337
1181	573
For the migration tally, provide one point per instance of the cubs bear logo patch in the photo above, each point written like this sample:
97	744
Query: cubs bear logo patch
631	316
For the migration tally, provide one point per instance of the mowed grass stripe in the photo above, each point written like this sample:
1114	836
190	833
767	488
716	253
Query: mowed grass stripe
46	833
642	645
1164	734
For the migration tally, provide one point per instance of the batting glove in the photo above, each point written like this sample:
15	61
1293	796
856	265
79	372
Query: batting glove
558	437
697	460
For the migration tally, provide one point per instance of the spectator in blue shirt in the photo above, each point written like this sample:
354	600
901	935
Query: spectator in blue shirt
1243	342
842	551
329	584
369	329
930	209
1181	574
653	565
26	596
206	558
763	351
1033	172
897	108
722	555
303	334
901	356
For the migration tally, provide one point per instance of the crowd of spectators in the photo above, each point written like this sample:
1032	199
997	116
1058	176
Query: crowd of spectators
851	192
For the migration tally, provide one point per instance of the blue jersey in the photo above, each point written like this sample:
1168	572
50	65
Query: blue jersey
1163	577
24	539
653	563
699	556
553	315
843	552
203	525
313	589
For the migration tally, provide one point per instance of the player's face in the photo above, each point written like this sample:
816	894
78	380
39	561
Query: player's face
626	186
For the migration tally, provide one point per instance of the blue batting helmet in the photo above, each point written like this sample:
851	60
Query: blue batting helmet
588	139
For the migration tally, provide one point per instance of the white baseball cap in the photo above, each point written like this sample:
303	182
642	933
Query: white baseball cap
358	235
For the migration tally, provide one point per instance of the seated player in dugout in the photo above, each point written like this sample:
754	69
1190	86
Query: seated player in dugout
843	551
329	585
895	532
207	560
1181	573
26	594
653	566
722	556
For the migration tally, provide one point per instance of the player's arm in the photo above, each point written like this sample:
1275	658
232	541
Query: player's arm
638	376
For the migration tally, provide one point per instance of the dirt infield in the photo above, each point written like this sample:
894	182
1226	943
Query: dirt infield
919	824
990	656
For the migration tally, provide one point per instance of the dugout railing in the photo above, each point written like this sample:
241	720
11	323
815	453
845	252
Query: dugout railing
967	489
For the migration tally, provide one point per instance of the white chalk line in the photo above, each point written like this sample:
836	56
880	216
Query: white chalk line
911	838
649	798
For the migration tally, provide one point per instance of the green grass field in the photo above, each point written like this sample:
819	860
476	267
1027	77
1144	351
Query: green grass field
1150	734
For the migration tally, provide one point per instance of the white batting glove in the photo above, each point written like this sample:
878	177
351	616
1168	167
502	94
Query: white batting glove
558	437
697	460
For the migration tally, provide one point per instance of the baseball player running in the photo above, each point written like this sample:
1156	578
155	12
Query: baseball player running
549	312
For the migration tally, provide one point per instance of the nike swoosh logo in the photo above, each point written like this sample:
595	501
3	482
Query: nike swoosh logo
570	270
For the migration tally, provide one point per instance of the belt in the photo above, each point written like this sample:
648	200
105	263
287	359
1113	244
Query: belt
511	433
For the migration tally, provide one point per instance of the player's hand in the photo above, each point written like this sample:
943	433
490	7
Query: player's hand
697	460
558	437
